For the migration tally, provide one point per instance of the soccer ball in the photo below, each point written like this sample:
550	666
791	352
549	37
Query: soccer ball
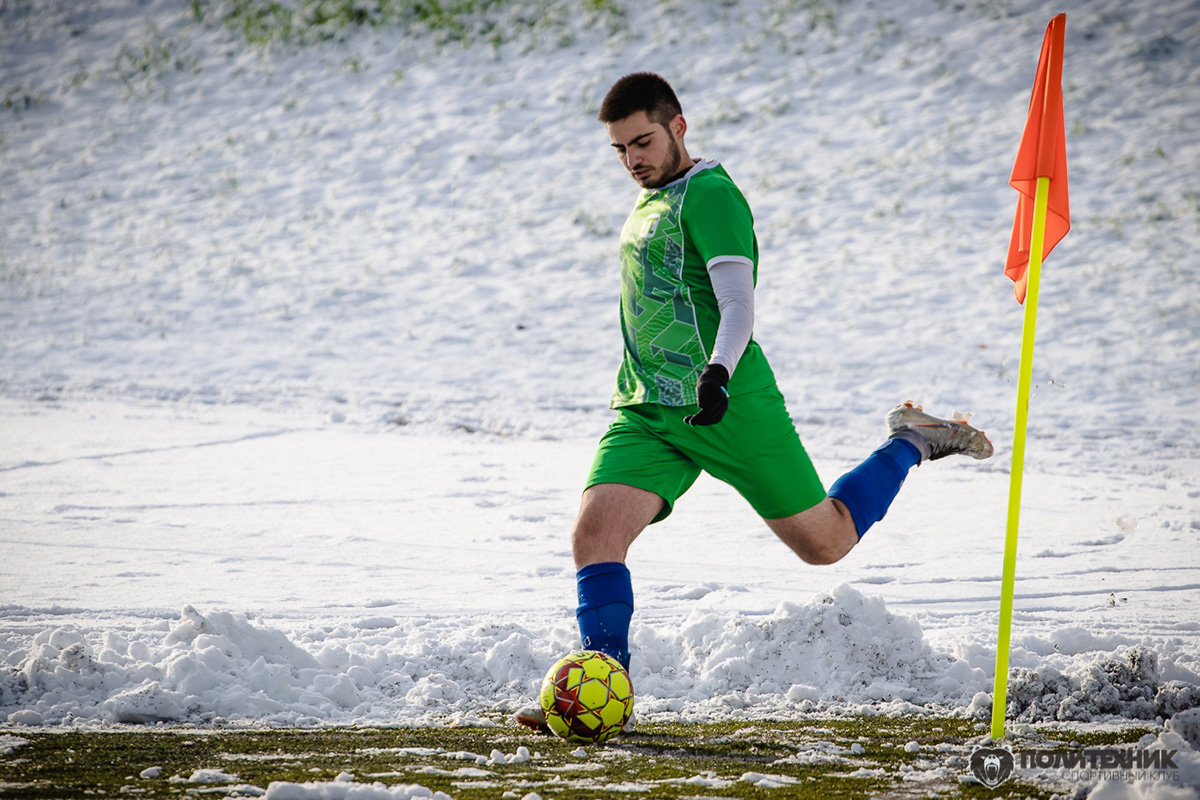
587	697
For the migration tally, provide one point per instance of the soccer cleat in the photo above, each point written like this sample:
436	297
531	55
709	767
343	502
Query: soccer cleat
533	717
944	437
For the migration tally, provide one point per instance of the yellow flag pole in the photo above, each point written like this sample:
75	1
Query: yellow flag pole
1025	381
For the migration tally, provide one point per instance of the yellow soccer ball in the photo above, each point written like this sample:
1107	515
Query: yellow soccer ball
587	697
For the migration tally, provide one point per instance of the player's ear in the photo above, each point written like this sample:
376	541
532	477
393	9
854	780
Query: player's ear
678	126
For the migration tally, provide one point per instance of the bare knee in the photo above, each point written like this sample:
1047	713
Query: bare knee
592	542
821	535
822	555
817	551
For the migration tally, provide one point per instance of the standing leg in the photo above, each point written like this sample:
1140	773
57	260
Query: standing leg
611	516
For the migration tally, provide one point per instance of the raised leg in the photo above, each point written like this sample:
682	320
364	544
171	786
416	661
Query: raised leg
823	534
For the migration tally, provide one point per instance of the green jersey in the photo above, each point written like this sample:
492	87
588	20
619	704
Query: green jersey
669	313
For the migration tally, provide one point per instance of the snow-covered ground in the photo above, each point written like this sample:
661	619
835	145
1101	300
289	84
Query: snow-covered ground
304	352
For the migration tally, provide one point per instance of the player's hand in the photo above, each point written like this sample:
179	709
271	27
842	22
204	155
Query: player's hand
713	396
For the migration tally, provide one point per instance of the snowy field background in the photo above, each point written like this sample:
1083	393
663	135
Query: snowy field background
304	350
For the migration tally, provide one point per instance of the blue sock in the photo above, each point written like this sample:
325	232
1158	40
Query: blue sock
868	489
605	609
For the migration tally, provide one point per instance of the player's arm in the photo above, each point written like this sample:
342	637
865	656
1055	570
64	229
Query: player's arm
733	284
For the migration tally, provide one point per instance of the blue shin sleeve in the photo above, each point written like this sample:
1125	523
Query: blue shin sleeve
605	609
868	489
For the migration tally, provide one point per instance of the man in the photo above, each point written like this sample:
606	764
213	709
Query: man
695	392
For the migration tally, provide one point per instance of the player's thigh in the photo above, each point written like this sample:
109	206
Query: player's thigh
635	452
611	516
756	450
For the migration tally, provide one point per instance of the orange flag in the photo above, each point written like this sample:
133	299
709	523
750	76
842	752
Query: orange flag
1042	154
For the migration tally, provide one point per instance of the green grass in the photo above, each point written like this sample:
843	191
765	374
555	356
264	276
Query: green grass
815	757
301	22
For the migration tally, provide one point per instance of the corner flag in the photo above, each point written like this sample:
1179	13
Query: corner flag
1042	154
1043	218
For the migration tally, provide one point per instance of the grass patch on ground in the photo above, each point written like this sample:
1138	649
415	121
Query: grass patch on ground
300	22
850	757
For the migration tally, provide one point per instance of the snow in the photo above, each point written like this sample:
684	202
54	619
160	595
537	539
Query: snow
304	352
206	776
341	790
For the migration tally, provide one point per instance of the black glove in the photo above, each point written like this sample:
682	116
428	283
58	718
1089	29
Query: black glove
713	396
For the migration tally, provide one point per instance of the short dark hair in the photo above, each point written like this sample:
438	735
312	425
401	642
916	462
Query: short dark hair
641	91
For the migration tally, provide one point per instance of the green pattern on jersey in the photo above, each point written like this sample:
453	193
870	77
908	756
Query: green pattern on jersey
669	314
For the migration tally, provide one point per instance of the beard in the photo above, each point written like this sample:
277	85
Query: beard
663	174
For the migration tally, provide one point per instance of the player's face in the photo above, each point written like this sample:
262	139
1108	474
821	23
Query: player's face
650	152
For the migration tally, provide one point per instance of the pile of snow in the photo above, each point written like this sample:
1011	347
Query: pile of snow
1129	685
842	648
843	652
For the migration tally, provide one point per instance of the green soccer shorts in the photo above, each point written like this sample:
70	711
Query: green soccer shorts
755	449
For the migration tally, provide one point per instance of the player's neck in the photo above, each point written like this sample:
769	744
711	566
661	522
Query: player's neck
688	163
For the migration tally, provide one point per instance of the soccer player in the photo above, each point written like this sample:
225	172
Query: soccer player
695	392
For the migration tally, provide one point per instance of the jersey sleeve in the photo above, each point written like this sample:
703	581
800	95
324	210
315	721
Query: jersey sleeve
717	219
733	284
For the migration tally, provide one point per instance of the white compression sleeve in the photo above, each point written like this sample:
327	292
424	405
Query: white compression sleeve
733	284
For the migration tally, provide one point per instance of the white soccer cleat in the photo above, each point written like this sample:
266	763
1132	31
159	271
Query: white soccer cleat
533	717
945	437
